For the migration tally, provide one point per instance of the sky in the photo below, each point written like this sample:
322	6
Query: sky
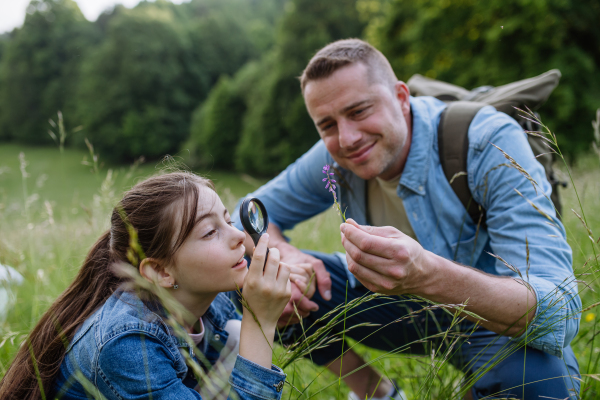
12	12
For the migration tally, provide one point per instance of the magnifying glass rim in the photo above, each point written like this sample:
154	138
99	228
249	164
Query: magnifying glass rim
245	217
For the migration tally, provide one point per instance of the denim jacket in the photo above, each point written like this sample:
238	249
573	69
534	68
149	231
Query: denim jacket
441	222
125	350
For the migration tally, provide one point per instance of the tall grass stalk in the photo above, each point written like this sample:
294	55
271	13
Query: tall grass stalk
57	249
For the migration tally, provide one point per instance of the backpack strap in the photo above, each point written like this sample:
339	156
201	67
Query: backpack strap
453	144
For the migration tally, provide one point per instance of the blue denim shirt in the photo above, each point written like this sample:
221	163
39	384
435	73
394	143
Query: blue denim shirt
127	351
440	221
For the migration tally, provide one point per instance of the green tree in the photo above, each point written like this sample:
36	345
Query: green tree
277	128
39	69
140	86
471	43
216	127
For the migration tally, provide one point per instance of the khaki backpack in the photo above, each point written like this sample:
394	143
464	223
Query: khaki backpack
463	104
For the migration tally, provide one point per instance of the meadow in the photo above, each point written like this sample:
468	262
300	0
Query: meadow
53	207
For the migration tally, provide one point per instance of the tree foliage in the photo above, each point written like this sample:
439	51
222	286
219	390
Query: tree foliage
139	88
216	127
40	68
139	80
471	43
276	127
133	78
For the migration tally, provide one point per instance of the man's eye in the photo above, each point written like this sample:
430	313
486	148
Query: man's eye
359	111
326	127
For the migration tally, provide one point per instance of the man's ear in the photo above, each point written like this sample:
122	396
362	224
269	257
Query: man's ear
403	95
154	272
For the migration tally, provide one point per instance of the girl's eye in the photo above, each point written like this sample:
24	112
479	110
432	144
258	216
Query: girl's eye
230	223
211	233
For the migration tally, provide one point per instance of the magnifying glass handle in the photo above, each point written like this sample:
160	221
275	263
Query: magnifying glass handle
266	258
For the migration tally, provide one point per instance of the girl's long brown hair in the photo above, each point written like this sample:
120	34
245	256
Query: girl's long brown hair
151	208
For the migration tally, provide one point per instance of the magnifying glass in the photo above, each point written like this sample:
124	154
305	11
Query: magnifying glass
255	220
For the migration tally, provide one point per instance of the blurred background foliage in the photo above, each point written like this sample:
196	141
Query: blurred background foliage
216	80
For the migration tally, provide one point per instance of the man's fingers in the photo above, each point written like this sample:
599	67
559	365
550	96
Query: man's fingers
305	306
362	258
323	279
372	244
372	280
383	231
302	302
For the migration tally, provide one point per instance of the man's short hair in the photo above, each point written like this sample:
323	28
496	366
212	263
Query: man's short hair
345	52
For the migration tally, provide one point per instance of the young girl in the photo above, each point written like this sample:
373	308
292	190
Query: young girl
102	338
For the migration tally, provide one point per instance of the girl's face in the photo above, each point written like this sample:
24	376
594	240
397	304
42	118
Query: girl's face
211	260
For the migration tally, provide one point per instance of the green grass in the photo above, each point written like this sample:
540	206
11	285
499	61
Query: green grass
46	230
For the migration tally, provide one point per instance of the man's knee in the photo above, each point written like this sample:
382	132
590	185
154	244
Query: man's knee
530	375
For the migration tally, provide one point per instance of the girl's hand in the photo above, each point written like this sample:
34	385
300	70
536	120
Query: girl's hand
266	291
303	276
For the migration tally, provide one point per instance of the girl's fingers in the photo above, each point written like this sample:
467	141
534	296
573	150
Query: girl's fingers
258	257
298	278
270	273
301	285
288	289
283	275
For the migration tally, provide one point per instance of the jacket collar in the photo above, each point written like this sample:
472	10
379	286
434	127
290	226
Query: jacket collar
219	312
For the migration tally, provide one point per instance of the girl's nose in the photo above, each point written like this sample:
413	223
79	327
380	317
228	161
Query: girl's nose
238	236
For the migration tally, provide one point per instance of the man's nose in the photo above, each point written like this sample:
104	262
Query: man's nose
348	134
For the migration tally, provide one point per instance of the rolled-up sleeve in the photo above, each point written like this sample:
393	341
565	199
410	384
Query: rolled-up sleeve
523	227
297	193
252	381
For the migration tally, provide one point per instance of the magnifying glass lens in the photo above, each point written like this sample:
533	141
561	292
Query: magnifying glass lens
256	217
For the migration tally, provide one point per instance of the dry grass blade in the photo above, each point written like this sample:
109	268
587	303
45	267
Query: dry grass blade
509	266
539	134
593	376
514	164
456	175
589	231
596	126
537	208
588	308
527	259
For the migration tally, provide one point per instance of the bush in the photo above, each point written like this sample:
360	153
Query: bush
472	43
40	67
216	127
277	128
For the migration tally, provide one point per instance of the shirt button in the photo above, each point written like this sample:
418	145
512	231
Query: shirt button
217	337
415	216
421	188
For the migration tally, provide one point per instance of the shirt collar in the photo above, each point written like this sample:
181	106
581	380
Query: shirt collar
425	117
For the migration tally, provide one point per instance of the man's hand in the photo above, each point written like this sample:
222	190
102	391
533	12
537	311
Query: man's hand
384	259
292	256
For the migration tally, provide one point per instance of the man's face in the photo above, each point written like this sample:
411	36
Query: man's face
365	125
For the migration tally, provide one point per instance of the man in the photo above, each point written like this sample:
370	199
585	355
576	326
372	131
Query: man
409	234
